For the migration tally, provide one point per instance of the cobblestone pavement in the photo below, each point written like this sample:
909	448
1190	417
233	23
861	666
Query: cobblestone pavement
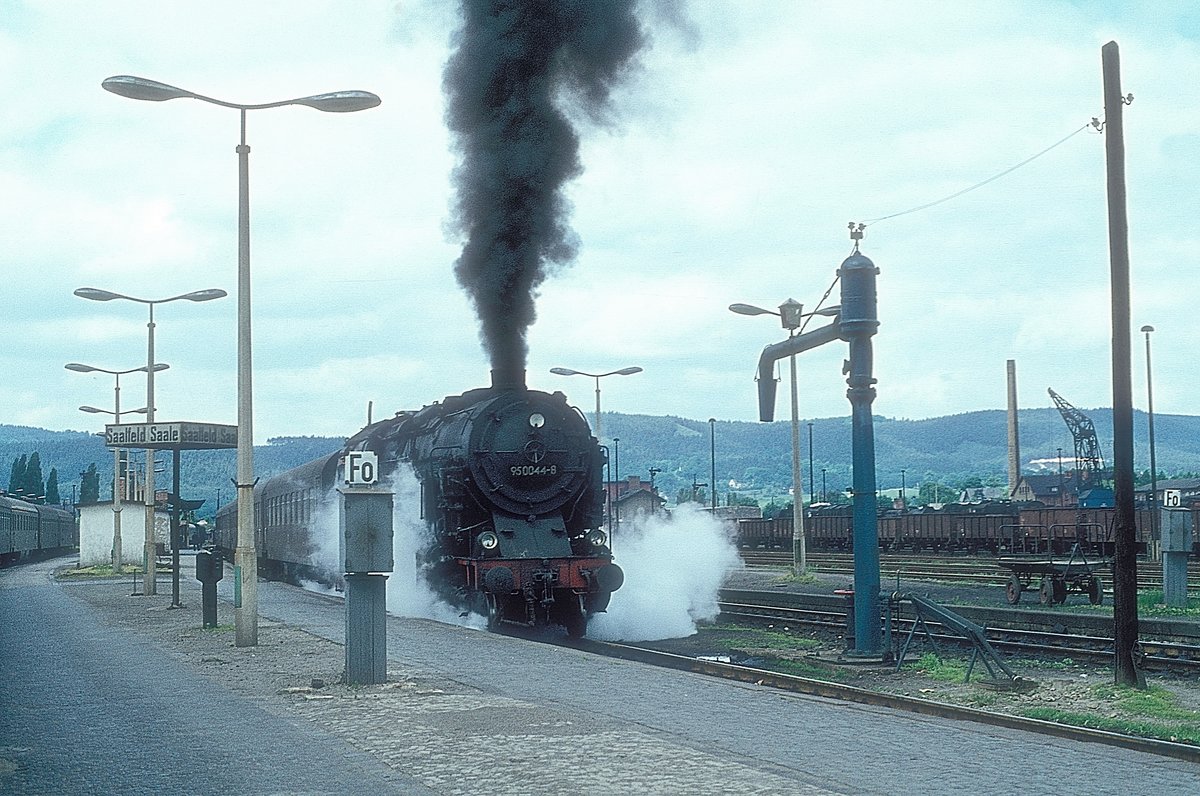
470	712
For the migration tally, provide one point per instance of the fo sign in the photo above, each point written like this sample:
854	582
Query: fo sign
360	468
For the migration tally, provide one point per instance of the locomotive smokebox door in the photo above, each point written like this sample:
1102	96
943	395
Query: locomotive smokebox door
366	523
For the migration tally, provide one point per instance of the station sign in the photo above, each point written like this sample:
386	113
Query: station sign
1172	498
360	468
170	436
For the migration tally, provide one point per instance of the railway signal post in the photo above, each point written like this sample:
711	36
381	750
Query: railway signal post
366	552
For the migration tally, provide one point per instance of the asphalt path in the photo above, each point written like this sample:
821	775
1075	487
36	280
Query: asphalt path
91	709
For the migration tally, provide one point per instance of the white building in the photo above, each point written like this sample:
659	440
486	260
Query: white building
96	532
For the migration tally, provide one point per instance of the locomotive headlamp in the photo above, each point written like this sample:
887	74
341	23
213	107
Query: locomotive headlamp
488	540
537	420
597	538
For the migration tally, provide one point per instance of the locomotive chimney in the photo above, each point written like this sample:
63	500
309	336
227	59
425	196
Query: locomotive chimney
508	378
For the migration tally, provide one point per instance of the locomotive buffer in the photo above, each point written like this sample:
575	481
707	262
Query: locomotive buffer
366	552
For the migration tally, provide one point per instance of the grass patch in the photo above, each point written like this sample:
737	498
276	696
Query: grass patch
740	636
1150	713
792	577
1154	702
982	699
219	629
1150	603
98	571
1139	728
810	669
933	667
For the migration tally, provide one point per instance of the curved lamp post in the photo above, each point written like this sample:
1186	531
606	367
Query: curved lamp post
597	377
791	313
116	413
95	294
245	561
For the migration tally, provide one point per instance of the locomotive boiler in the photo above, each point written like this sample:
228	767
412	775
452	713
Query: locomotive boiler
511	492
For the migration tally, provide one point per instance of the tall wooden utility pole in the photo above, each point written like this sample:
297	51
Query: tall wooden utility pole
1125	620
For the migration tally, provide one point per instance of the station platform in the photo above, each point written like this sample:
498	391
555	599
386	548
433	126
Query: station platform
141	699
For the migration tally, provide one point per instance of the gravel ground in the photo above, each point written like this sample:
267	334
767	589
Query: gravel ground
1069	686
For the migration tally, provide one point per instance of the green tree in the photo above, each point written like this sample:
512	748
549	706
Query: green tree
734	499
773	510
933	492
34	484
52	495
89	488
17	479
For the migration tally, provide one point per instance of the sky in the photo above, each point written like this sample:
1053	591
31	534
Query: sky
731	160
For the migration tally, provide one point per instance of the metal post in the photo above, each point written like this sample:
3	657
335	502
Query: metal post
366	544
117	554
712	455
245	570
859	322
799	551
616	500
597	407
812	491
1125	619
1155	535
149	552
1061	485
175	532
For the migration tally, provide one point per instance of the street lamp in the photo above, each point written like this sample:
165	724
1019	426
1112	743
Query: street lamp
712	455
1153	465
95	294
791	313
823	485
597	377
246	559
1061	496
812	491
614	495
116	413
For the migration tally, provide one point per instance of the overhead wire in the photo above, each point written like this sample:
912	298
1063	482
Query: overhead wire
1095	122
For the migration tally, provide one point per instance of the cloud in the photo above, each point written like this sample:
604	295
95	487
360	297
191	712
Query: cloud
750	135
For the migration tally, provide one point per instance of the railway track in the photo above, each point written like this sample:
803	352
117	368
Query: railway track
984	571
1168	646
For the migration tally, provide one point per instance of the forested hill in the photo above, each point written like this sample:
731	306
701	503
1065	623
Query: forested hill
757	456
947	449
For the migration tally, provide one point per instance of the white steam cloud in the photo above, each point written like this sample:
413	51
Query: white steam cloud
408	592
674	567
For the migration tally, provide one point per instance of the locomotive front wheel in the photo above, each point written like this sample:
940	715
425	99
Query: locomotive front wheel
1013	590
1095	591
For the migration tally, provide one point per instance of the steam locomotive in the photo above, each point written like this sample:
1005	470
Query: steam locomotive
511	492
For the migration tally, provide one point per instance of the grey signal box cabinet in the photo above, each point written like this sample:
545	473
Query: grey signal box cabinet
366	523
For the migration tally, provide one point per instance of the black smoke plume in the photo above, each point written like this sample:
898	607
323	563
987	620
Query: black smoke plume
516	65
